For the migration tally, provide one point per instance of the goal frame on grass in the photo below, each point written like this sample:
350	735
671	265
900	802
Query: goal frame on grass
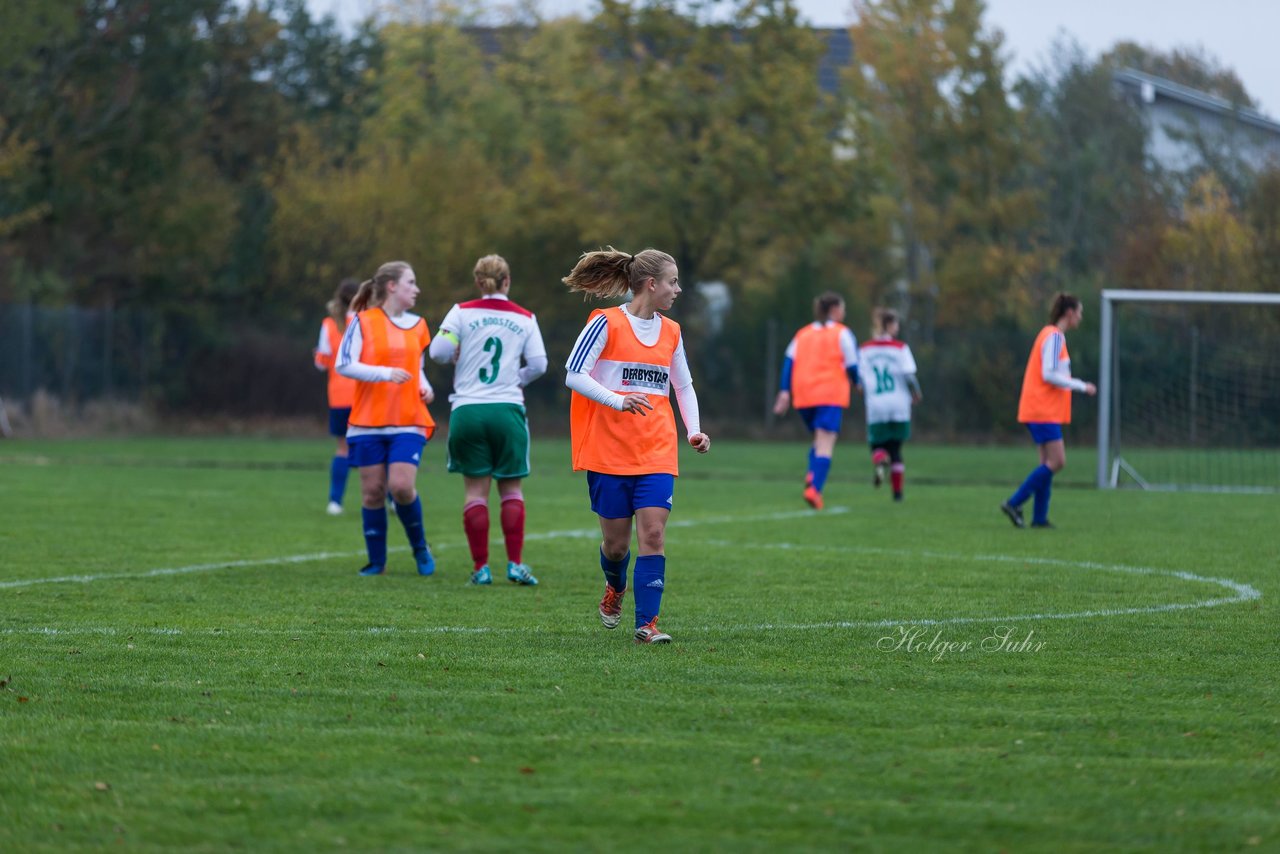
1110	463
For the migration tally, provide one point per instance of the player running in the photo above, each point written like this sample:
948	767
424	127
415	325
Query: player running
889	388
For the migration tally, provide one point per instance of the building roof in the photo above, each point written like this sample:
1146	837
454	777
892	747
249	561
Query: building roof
1151	87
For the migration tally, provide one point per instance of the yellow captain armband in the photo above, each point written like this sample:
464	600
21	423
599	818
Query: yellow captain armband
449	336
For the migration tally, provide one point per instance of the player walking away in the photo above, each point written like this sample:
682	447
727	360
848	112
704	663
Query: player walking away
889	387
389	425
488	426
818	371
622	370
342	390
1045	406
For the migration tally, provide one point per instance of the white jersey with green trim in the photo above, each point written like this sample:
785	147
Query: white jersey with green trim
493	335
884	366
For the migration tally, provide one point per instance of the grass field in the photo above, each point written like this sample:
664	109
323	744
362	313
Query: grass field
189	660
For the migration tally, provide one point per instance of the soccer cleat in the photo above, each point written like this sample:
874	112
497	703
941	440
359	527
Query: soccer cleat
611	607
373	569
426	562
481	576
1045	524
814	497
1014	514
650	633
897	496
334	509
518	573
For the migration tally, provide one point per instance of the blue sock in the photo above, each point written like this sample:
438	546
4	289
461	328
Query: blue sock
1040	509
1039	476
821	468
615	571
411	517
375	534
338	469
651	571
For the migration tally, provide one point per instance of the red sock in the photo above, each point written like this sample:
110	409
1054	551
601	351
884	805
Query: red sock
513	525
895	477
475	521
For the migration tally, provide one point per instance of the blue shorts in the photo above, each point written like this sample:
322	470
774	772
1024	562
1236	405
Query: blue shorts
338	420
1044	432
823	418
619	496
381	450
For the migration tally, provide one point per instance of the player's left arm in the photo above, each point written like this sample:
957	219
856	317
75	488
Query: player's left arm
849	352
535	355
687	398
909	371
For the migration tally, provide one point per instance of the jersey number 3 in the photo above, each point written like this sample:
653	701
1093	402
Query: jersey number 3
490	373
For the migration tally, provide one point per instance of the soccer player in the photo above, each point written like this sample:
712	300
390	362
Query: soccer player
389	425
889	387
623	432
818	371
488	427
341	389
1045	406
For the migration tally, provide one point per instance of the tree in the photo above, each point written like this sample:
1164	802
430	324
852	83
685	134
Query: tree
711	139
932	107
1091	164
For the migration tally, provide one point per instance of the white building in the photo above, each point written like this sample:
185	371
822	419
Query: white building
1182	123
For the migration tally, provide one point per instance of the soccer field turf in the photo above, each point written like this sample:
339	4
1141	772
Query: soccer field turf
189	660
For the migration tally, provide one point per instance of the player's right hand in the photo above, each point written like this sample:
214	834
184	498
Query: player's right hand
399	375
636	402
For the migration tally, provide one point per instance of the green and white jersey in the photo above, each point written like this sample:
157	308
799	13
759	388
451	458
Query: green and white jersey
884	367
494	335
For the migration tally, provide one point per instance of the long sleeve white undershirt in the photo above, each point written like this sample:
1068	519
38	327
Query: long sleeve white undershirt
583	358
349	364
1057	371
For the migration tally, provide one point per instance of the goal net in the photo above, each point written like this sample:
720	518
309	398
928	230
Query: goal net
1189	396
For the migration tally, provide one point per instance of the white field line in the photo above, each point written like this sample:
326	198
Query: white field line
573	533
1240	592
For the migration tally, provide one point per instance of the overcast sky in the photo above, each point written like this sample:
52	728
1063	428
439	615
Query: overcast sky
1241	34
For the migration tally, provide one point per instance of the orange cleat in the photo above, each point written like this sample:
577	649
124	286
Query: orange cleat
814	497
650	633
611	607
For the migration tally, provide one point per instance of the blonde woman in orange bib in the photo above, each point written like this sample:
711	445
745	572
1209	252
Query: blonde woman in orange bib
622	370
389	424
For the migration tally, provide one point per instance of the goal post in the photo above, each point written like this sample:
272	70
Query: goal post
1189	391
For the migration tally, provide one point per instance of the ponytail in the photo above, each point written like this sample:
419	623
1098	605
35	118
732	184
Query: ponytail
882	318
608	273
1062	303
373	292
341	302
823	305
490	272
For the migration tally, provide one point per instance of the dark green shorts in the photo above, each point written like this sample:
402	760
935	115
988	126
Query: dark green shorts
489	440
888	431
